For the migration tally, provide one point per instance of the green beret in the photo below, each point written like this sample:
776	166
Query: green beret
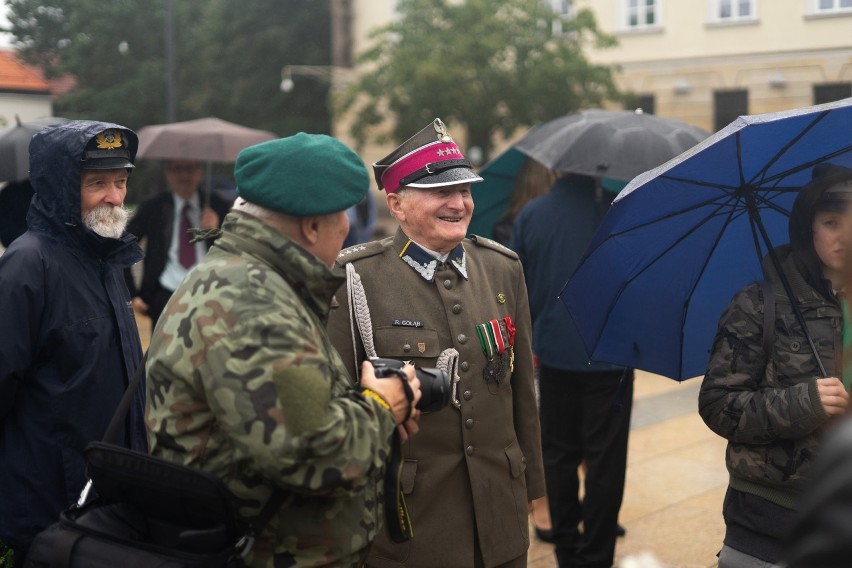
301	175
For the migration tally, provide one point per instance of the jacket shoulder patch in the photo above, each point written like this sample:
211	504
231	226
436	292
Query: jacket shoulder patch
493	245
357	252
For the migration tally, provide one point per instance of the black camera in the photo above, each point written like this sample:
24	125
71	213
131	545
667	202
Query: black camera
434	383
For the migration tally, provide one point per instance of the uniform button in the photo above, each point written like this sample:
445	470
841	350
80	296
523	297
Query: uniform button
464	365
448	283
467	395
462	338
406	347
468	423
457	309
469	450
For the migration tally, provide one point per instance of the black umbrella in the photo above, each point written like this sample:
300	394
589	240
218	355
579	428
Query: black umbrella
613	144
15	147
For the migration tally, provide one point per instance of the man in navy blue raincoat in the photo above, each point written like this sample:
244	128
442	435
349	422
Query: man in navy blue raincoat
68	338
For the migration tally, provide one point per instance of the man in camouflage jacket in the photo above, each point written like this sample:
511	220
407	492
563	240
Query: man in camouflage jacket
438	299
242	380
764	390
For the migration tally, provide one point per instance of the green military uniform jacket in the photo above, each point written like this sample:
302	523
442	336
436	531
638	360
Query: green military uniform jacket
243	383
475	464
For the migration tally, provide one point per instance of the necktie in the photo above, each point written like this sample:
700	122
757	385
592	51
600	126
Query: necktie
186	250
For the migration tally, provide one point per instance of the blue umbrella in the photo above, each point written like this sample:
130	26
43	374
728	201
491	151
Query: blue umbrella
682	238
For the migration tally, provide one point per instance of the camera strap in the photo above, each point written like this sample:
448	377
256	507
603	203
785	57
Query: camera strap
396	511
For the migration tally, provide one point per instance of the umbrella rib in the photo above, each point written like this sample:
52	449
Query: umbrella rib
807	165
673	214
628	281
792	142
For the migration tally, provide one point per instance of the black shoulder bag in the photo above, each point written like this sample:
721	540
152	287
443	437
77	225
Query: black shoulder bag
147	512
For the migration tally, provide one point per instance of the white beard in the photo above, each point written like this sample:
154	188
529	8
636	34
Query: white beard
107	221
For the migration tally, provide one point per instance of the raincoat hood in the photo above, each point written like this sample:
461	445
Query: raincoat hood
801	225
55	171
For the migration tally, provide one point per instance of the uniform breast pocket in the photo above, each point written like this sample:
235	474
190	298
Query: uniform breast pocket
406	342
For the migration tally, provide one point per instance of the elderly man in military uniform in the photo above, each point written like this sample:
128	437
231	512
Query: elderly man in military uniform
243	382
432	297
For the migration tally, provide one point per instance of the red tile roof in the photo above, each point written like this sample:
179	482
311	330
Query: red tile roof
17	76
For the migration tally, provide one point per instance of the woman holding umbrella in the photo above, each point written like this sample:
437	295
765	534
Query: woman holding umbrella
772	384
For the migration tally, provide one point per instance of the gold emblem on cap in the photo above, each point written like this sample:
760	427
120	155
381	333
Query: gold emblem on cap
108	140
421	347
443	135
501	298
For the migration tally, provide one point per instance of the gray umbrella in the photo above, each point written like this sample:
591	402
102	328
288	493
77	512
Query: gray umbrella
15	147
614	144
205	139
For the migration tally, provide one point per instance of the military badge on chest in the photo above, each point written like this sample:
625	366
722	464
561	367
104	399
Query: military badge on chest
497	339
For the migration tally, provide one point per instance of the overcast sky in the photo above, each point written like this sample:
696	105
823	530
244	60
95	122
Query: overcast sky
5	39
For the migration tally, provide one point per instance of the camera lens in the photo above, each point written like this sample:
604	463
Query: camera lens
434	383
434	389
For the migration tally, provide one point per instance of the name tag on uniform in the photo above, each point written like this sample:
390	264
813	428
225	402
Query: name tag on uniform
407	323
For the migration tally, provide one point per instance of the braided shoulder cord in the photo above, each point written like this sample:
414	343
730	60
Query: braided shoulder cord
359	313
448	361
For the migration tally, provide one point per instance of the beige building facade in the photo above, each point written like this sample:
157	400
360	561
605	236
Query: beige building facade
702	61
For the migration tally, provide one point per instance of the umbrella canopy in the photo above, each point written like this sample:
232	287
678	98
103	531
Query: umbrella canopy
681	239
204	139
614	144
15	147
491	196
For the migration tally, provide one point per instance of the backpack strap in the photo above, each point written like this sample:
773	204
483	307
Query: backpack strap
768	316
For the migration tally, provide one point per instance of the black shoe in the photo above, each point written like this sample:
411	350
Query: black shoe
544	535
619	530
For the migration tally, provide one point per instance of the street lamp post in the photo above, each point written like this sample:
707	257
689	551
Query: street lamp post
322	72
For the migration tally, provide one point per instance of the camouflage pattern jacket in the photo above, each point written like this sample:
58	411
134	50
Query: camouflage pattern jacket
473	466
243	383
766	404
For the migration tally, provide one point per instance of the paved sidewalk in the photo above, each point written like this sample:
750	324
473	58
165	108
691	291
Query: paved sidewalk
676	480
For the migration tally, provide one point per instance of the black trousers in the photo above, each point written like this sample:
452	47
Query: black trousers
585	416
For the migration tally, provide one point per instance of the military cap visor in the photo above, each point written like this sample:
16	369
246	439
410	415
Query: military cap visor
107	151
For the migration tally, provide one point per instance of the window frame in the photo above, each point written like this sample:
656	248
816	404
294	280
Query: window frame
835	9
715	16
642	7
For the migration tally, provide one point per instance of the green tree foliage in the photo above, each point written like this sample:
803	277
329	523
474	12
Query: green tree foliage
490	65
228	58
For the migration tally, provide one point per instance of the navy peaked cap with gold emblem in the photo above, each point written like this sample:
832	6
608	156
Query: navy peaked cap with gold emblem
301	175
430	158
112	148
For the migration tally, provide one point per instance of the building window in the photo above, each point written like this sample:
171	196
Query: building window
733	10
641	14
727	106
644	102
563	9
831	6
830	92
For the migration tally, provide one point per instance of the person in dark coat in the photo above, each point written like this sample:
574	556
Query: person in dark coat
68	342
585	407
160	221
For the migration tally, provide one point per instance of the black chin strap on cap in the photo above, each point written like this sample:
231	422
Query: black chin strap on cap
433	168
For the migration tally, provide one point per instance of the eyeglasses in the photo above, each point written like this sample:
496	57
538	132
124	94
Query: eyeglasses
183	169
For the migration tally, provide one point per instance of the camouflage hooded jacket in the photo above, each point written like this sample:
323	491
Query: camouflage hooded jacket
766	404
244	384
